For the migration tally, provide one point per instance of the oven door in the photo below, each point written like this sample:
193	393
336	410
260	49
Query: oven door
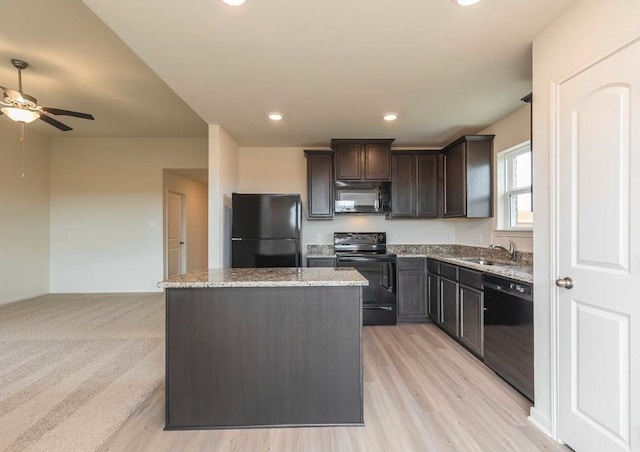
379	297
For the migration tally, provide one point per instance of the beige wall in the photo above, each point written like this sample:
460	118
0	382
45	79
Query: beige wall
223	181
583	35
107	210
196	234
24	213
510	131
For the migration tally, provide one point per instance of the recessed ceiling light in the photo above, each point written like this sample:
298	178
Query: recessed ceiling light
466	2
234	2
390	116
275	116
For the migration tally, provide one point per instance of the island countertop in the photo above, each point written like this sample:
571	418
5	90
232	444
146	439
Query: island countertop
267	277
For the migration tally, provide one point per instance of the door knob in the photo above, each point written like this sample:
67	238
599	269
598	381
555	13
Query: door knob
566	283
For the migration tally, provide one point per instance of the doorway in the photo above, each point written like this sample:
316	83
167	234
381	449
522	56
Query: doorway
175	227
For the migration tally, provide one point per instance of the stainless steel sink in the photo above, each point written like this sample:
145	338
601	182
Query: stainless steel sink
477	260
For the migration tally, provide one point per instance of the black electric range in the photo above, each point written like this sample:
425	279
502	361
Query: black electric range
367	253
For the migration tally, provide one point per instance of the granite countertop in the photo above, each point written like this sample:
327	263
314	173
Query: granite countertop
267	277
499	268
521	270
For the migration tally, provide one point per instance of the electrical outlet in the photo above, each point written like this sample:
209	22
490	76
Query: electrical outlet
318	237
397	237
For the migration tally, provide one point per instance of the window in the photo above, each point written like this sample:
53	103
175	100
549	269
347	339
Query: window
515	203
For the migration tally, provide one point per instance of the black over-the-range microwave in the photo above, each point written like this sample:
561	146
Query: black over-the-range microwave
363	197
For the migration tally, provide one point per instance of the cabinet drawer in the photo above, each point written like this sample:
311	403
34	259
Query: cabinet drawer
471	278
411	263
449	271
433	266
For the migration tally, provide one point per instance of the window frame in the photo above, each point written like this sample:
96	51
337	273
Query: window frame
506	191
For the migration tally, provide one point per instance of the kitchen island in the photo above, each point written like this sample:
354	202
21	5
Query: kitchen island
258	347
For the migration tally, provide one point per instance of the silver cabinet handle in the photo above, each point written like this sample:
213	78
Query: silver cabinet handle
566	283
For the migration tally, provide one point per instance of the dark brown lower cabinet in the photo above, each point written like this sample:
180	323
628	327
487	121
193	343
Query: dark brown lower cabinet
449	303
456	303
433	290
471	318
471	310
433	303
412	290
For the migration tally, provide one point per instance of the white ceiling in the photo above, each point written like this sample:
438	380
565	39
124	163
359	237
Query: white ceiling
332	67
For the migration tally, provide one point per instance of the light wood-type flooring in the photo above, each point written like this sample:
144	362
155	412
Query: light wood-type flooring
423	392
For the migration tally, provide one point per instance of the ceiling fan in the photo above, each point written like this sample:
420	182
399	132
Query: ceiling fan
24	108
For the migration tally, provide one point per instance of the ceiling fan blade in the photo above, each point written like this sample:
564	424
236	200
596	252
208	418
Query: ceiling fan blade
55	123
57	111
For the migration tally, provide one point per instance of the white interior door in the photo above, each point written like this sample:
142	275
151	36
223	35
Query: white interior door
598	174
174	234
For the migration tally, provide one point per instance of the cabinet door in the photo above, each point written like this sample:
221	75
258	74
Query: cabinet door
412	289
449	304
412	296
479	178
403	189
377	161
433	297
349	161
471	318
455	174
428	169
320	184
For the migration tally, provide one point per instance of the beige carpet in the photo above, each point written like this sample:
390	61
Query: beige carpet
74	367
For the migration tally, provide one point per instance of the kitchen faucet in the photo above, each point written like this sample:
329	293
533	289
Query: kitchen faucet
511	251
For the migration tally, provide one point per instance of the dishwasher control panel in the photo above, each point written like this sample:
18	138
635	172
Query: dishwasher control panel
518	289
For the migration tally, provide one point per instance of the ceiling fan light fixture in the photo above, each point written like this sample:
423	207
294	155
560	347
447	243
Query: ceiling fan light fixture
465	2
20	114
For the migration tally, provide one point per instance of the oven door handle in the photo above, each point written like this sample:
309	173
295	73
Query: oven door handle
365	259
377	308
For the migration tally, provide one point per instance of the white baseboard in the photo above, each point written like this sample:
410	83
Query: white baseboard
22	297
541	422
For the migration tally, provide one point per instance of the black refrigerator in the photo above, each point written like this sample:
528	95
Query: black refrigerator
265	230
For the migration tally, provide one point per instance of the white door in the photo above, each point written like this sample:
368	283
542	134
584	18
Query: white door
174	234
598	174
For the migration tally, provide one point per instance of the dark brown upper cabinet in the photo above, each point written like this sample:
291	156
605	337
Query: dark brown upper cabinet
320	184
362	160
415	186
468	177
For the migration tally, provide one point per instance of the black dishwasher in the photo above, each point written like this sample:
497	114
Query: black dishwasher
508	331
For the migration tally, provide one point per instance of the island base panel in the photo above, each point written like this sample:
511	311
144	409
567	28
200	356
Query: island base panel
242	357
